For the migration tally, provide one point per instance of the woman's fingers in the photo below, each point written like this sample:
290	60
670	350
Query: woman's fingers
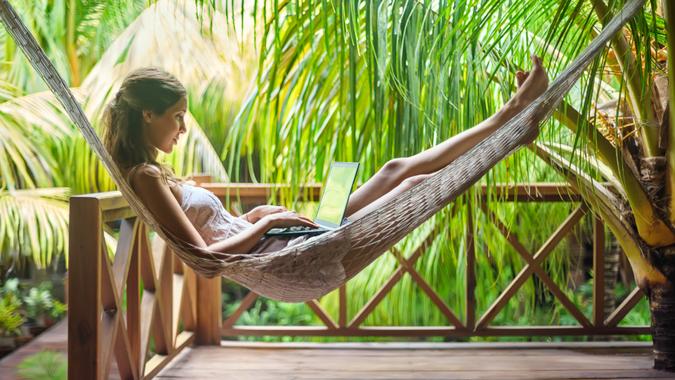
307	220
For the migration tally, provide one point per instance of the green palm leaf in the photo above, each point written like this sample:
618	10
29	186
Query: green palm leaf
32	225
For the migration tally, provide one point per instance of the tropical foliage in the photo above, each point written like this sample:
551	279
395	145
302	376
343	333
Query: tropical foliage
110	40
359	81
372	80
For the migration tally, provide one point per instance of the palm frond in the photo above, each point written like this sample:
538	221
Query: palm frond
33	224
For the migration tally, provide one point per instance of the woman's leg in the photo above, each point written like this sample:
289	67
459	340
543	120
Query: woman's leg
394	172
406	184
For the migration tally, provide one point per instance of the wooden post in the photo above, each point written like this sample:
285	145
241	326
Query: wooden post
84	289
470	272
209	315
598	272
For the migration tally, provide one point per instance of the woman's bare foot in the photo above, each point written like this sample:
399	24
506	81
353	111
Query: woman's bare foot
531	84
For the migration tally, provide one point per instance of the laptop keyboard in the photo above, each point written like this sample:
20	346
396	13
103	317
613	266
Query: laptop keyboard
299	228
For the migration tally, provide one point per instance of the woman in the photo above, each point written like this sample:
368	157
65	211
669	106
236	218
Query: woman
147	115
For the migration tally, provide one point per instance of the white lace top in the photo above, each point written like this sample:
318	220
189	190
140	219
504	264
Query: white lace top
214	223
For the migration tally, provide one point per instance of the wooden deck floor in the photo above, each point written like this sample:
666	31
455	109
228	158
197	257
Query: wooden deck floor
54	339
415	361
419	361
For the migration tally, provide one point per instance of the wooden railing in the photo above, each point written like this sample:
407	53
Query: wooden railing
167	307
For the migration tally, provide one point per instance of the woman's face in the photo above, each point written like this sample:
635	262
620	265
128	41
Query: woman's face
163	130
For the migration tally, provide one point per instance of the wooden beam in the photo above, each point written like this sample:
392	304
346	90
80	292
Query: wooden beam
470	290
624	308
534	266
598	272
431	331
243	306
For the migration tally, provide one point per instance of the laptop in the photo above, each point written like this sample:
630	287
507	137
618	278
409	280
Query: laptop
332	205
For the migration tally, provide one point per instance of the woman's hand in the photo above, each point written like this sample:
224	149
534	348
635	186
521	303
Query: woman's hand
261	211
287	219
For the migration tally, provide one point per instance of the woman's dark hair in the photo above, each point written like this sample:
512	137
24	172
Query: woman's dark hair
147	88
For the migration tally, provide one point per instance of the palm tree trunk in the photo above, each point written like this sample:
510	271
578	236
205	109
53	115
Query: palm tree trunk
662	305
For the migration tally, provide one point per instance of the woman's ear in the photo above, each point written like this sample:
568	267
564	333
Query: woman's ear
147	116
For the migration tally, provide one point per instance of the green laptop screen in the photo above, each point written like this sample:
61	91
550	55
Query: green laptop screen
336	194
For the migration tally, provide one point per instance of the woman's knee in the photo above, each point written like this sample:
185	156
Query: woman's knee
414	180
395	167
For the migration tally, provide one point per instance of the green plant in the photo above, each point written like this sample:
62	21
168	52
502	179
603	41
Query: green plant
10	318
11	293
39	302
58	309
44	365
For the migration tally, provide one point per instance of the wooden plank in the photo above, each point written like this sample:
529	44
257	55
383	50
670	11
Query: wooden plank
108	337
342	306
148	271
321	313
178	289
534	265
598	272
147	311
377	298
125	362
118	214
470	284
531	192
431	331
189	312
158	329
133	319
426	288
165	295
393	280
245	303
110	200
158	362
381	362
123	252
625	307
84	303
259	190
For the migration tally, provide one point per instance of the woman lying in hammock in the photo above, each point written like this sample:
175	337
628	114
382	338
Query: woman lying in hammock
147	115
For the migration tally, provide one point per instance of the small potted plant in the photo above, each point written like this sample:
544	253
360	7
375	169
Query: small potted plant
38	305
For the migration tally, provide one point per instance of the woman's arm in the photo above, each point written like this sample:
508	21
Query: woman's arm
157	197
243	241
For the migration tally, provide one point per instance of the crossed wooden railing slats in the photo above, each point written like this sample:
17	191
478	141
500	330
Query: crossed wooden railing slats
138	308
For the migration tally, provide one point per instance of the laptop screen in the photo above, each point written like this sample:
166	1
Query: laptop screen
336	193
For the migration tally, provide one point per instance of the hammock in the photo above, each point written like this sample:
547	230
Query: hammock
322	263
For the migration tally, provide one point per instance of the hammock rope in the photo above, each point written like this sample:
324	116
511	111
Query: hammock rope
320	264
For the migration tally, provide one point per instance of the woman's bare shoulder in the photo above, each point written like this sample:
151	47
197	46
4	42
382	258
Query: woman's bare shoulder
144	174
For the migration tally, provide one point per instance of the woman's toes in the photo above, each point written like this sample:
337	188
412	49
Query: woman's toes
520	78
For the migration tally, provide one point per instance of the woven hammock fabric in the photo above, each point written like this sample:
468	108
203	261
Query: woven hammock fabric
320	264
